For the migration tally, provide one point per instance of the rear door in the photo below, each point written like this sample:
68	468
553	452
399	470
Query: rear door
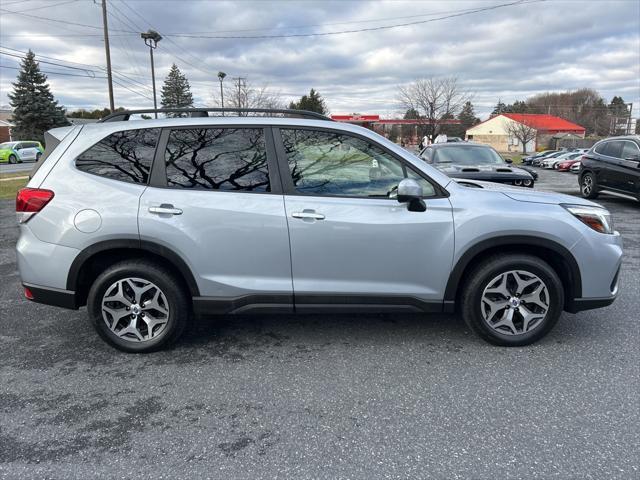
27	151
215	200
625	174
352	243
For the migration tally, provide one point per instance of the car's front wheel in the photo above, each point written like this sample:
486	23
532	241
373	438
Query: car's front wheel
38	156
588	185
512	300
138	306
12	159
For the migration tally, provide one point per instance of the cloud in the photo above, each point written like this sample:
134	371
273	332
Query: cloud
508	53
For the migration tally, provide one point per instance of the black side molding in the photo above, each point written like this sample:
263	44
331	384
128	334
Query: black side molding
581	304
53	296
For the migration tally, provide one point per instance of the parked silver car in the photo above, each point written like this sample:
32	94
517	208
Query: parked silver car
147	222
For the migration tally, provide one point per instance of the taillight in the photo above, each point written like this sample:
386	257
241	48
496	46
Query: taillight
30	201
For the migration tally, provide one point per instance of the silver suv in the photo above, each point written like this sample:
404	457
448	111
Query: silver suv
150	222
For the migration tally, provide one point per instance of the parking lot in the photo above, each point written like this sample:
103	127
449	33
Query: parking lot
323	396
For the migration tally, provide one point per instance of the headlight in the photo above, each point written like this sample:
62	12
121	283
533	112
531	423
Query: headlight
597	218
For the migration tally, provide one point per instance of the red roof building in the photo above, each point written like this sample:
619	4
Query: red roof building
546	124
495	131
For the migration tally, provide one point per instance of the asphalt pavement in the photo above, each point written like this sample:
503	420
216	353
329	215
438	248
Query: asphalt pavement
16	168
323	396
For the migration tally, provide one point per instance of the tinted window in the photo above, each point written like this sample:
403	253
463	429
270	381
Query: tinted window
125	156
327	163
610	149
427	154
630	150
218	159
467	156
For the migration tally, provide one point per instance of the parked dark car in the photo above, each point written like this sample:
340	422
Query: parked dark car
529	159
475	161
612	165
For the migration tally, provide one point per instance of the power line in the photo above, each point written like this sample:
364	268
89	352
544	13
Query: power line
56	73
369	29
350	22
43	6
130	8
59	21
90	73
49	63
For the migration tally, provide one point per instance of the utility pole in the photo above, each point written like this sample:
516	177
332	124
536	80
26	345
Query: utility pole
241	83
105	27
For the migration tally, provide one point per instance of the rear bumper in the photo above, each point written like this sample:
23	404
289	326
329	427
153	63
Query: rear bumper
52	296
581	304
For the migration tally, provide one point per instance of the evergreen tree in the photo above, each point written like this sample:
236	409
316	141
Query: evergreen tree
467	116
176	92
34	108
312	103
618	107
499	108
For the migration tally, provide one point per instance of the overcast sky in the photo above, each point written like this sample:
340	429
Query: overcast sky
509	53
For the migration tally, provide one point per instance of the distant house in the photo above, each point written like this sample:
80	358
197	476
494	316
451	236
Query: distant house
494	131
5	126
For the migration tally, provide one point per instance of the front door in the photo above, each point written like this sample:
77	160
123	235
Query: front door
352	243
214	201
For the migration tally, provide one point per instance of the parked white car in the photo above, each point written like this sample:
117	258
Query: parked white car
550	163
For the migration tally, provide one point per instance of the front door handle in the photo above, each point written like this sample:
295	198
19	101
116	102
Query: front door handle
165	209
308	214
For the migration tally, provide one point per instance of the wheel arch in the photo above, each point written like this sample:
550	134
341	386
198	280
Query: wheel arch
92	260
556	255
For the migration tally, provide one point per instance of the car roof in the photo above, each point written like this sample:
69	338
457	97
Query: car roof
458	144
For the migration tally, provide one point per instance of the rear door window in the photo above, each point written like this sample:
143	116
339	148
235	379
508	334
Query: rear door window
630	150
126	156
232	159
612	149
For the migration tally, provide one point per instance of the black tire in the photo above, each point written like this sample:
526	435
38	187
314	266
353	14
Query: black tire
177	300
588	185
12	159
484	273
38	157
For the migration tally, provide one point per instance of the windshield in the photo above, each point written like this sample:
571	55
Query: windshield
465	155
7	144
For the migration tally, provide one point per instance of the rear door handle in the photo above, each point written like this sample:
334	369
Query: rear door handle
165	209
308	214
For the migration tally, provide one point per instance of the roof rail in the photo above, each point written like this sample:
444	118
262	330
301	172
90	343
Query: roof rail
124	115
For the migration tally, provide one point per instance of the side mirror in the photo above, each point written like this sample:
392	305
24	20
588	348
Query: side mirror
410	192
508	160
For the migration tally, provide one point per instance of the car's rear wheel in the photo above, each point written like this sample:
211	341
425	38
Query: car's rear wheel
138	306
512	300
38	157
588	185
12	159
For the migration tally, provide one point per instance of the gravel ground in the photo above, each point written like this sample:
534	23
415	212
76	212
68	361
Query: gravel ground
323	396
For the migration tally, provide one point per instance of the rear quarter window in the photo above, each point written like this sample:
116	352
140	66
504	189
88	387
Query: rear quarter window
125	156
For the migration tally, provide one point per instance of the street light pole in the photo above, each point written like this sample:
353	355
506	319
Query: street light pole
151	39
221	76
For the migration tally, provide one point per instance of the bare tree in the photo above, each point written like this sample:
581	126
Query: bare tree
523	132
243	94
435	100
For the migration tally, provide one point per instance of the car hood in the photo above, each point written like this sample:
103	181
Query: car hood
453	168
529	195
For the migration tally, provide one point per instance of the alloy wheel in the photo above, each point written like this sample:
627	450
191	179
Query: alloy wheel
135	309
587	185
515	302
